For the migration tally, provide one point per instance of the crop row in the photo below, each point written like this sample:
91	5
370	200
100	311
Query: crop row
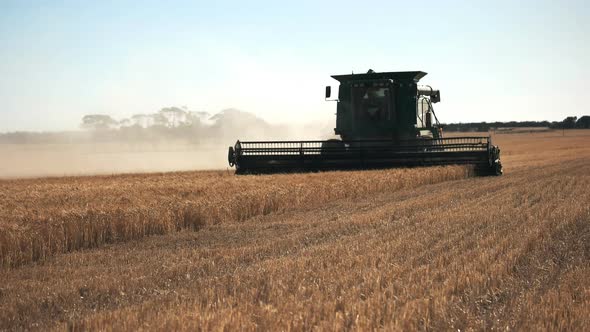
65	215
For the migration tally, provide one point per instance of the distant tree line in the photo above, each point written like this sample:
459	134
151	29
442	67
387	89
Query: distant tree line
571	122
168	117
168	124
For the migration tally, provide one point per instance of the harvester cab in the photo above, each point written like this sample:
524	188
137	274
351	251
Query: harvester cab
384	120
385	106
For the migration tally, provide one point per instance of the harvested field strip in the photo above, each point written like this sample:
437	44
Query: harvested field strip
483	253
482	265
41	218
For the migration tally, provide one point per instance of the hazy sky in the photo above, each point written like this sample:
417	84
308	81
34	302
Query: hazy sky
492	60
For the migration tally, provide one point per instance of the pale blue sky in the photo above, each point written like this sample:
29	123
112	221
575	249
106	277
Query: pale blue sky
492	60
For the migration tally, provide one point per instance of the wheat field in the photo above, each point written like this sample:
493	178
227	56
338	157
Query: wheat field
405	249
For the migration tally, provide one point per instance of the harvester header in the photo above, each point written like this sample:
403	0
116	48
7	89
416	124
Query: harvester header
384	120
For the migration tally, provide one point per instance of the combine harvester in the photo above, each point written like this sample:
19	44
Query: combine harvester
384	120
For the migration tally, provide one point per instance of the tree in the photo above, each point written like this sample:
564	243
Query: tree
142	120
98	122
174	116
569	122
125	123
583	122
158	119
199	118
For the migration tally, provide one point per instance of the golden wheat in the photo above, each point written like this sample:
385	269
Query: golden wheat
43	217
506	252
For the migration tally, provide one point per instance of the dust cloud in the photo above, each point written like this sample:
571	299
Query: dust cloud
39	160
136	149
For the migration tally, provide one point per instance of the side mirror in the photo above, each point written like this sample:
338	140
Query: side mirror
435	98
328	91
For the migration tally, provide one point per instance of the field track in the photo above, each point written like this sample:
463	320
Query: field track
409	249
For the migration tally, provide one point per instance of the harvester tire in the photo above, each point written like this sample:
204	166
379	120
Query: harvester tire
332	146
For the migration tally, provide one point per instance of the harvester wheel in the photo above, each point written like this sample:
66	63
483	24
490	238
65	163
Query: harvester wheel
333	146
